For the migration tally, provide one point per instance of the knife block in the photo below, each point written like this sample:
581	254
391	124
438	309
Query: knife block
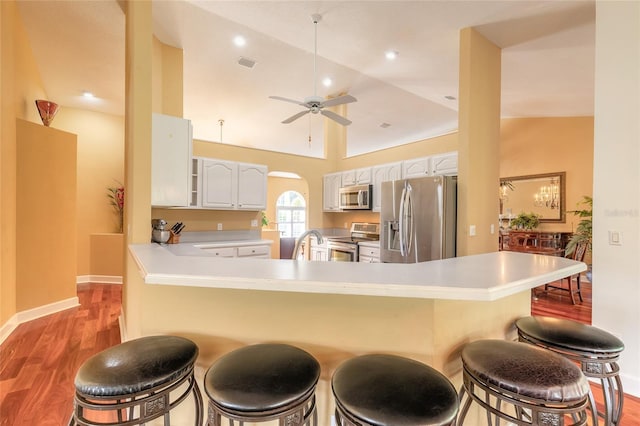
173	238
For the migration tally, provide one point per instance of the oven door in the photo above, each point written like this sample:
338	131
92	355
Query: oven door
342	252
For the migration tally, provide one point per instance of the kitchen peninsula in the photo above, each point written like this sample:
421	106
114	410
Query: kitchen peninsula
426	311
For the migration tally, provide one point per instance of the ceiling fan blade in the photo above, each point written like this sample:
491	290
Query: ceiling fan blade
295	117
335	117
280	98
345	99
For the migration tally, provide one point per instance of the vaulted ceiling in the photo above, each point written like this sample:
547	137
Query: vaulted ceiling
547	63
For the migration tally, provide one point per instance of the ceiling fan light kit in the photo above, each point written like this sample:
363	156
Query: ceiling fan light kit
315	104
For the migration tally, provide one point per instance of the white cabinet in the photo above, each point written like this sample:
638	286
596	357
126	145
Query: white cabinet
219	184
445	164
383	173
233	186
331	192
356	177
318	251
252	186
368	253
257	251
171	149
416	167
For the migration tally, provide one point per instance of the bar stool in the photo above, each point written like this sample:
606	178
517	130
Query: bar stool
382	390
596	350
537	387
134	381
263	382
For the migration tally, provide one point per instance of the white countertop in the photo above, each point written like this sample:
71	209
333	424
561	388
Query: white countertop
483	277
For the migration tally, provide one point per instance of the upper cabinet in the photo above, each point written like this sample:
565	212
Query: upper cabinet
356	177
416	167
229	185
439	164
219	184
383	173
445	164
252	186
331	192
170	161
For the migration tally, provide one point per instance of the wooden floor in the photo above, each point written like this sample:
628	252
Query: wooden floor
39	360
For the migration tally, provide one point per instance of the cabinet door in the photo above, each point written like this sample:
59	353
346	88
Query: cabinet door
363	176
383	173
331	192
170	161
219	184
348	177
252	186
445	164
416	167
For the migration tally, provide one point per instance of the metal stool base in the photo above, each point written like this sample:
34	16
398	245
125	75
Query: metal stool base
527	411
599	366
301	412
138	408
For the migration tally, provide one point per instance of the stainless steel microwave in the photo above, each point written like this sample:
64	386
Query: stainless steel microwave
356	197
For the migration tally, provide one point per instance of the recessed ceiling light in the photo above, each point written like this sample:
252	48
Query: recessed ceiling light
88	95
327	82
239	41
391	54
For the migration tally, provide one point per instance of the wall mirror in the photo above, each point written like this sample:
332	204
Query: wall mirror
542	194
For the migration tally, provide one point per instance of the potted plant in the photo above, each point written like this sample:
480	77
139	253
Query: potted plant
583	234
526	221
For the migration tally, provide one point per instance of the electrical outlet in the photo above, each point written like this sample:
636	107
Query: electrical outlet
219	227
493	228
254	223
472	230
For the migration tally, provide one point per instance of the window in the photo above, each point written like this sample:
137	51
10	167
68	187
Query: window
291	214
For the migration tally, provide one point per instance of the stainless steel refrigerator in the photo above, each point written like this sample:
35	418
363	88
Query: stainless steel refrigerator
418	219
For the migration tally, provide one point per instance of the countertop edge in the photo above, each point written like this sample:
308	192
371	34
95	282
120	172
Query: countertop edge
298	281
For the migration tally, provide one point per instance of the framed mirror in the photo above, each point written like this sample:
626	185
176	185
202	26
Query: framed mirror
542	194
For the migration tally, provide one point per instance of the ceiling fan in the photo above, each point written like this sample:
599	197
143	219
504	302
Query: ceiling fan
316	104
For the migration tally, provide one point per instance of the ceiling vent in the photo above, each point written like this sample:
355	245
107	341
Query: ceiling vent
385	125
246	62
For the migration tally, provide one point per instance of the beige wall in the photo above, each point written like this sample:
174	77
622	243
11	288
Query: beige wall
20	85
46	216
547	145
100	165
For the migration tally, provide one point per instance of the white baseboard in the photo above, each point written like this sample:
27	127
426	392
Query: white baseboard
8	327
630	384
100	279
36	313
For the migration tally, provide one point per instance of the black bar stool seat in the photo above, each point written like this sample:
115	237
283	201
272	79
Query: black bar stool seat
382	390
134	380
263	382
596	350
528	385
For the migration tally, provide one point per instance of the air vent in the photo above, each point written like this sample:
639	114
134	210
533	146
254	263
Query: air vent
385	125
246	62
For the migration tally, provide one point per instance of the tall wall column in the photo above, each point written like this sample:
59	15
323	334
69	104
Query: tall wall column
479	136
138	71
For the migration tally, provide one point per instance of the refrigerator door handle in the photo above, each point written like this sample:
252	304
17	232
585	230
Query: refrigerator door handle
408	238
401	222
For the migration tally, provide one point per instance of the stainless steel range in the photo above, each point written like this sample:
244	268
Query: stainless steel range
345	249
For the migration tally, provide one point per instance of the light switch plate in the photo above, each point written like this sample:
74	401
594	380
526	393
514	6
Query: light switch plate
615	238
472	231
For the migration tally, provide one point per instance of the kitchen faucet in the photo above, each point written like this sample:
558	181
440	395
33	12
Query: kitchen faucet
301	238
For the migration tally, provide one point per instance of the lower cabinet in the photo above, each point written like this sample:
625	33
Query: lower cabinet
319	252
258	251
368	254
